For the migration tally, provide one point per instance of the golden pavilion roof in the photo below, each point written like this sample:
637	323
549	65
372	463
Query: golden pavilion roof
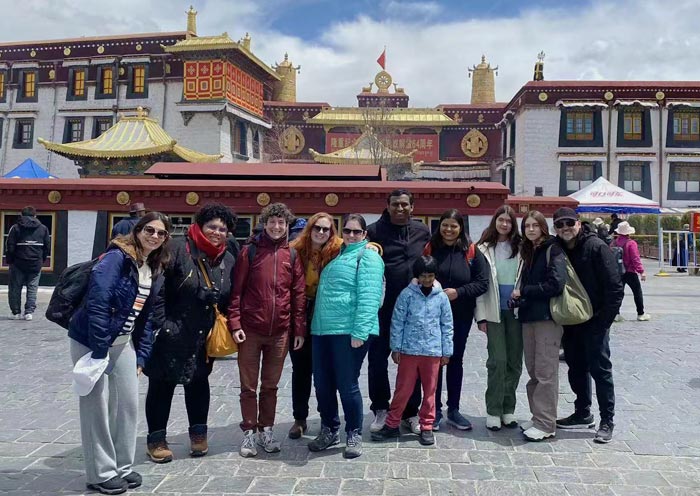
137	136
368	149
216	43
381	116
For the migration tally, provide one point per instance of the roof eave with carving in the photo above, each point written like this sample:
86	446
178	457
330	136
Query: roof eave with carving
398	117
358	153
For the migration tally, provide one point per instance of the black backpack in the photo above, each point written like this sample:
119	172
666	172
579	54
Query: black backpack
69	292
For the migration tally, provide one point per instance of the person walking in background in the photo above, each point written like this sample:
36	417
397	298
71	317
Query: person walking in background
421	342
602	231
345	317
634	269
125	226
614	222
500	244
463	273
587	345
28	247
543	277
402	240
114	326
317	244
266	310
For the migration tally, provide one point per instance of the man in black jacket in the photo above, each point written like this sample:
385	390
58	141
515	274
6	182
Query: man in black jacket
124	226
402	240
587	345
28	246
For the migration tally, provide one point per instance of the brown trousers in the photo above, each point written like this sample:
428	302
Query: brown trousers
259	412
541	342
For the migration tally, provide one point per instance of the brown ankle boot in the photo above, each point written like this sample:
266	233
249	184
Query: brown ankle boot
298	429
158	450
198	440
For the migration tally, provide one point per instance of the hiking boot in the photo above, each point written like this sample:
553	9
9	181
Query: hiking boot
438	420
353	444
457	420
115	485
576	421
534	434
267	440
198	440
248	448
325	439
298	429
605	432
493	422
379	421
157	448
386	432
644	317
427	438
133	480
509	420
412	424
28	316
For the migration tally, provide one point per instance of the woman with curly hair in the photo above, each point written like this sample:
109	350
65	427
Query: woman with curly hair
317	245
197	280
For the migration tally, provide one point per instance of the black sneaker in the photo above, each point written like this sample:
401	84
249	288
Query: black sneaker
427	438
457	420
133	479
576	421
325	439
605	432
115	485
386	432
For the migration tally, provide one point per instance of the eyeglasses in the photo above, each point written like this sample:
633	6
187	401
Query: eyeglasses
354	232
566	222
320	229
222	230
150	231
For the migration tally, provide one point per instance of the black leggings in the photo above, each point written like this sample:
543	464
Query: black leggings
160	397
632	280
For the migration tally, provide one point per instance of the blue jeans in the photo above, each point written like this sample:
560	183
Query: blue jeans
336	367
18	279
455	369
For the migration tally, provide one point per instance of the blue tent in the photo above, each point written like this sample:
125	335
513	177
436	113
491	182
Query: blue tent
28	170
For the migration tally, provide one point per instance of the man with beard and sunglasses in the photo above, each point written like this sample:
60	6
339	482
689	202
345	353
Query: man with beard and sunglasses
587	345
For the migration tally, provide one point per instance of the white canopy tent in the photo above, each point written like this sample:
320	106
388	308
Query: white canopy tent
604	197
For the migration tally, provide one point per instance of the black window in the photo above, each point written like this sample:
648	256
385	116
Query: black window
635	177
106	82
634	127
24	134
580	128
256	144
684	181
73	130
683	129
77	83
577	175
28	91
137	81
100	125
512	140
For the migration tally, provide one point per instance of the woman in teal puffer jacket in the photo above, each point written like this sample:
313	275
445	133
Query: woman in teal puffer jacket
345	315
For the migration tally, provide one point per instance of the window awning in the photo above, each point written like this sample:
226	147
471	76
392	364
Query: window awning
683	104
629	103
565	104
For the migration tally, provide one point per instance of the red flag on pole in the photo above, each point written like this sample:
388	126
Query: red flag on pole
382	59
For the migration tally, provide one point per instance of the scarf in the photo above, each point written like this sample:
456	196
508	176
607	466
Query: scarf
202	243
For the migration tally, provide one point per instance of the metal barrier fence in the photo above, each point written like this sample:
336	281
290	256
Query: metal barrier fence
678	251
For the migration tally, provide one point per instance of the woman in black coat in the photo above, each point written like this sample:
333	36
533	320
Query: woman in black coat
179	353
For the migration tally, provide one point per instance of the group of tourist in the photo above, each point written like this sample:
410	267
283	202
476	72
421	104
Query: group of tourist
331	300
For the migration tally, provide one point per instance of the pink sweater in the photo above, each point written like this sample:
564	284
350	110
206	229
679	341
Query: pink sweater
630	254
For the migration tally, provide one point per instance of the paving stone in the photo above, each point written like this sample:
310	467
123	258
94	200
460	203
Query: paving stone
404	487
498	488
599	476
471	471
449	456
183	484
517	474
318	486
588	490
362	487
345	469
643	478
530	459
557	474
541	489
273	485
227	484
635	491
429	471
394	470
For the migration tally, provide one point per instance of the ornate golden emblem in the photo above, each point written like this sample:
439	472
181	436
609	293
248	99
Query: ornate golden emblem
101	49
263	199
66	51
474	144
123	198
524	208
32	53
480	118
138	47
121	71
54	196
543	96
608	95
331	199
383	80
52	74
192	198
473	200
291	141
660	95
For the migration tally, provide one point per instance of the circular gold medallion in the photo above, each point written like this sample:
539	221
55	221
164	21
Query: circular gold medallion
291	141
192	198
473	200
32	53
331	199
139	47
66	51
608	95
263	199
543	96
660	95
54	196
123	198
121	71
474	144
101	49
383	80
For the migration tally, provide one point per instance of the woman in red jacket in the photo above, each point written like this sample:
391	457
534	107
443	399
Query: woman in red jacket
633	267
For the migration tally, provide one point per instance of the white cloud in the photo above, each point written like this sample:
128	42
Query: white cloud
628	39
411	10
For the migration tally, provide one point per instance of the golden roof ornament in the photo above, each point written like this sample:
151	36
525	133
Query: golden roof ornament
539	68
245	41
191	22
285	90
483	82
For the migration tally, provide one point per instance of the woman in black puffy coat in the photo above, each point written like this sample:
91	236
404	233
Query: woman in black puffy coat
179	351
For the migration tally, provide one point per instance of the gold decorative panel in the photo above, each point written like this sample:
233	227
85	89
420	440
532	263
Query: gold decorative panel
474	144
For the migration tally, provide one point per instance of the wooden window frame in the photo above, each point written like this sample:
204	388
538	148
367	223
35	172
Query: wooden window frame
3	238
100	87
683	124
132	81
690	193
19	133
574	130
69	132
28	77
632	122
579	120
3	86
96	124
564	190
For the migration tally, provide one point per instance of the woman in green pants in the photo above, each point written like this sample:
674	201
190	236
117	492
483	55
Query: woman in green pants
495	316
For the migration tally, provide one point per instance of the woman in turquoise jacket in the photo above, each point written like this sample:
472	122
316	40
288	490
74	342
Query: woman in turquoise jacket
347	301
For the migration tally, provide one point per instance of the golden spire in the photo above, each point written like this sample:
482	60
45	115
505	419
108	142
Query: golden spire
483	82
539	68
285	90
245	42
191	22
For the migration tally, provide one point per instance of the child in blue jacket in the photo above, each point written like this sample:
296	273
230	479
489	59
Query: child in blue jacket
421	341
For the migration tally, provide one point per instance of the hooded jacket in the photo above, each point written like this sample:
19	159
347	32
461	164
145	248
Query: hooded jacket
540	281
596	267
422	325
488	305
28	244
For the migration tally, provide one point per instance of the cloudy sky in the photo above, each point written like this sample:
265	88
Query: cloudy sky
430	44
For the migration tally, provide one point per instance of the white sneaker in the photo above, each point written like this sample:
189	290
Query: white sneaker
644	317
526	425
248	448
534	434
379	421
509	420
15	316
28	316
619	318
267	440
493	423
411	423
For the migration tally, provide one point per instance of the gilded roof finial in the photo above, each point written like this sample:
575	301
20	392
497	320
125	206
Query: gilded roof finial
191	22
539	68
285	90
246	41
483	82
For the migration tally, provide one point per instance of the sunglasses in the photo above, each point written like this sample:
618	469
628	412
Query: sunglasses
150	231
320	229
567	222
222	230
354	232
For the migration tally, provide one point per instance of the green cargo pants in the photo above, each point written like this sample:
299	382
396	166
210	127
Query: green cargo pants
504	364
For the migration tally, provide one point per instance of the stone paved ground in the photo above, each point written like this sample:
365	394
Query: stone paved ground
656	450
